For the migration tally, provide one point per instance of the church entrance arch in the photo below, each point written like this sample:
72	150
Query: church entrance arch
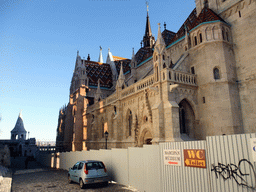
187	119
145	138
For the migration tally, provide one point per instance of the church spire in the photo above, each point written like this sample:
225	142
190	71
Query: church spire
98	92
100	57
148	39
160	40
148	28
121	78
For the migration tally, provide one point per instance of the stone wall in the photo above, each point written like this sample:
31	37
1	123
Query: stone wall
242	18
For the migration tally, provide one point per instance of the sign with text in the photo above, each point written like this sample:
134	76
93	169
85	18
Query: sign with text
253	148
172	157
194	158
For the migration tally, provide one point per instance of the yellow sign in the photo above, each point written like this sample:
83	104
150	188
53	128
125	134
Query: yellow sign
194	158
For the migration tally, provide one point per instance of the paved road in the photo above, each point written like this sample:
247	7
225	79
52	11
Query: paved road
37	178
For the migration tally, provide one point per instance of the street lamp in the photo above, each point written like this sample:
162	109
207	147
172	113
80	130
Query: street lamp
106	136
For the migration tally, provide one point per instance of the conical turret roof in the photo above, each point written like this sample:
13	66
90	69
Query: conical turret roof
19	126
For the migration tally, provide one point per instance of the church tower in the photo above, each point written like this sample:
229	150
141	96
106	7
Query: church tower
148	39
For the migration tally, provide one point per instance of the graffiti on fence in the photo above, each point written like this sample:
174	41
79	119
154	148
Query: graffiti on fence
236	172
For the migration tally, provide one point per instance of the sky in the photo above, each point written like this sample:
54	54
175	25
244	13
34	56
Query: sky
39	40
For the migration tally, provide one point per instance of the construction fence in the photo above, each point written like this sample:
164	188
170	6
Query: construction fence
218	164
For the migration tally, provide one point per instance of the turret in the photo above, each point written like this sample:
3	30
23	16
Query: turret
19	132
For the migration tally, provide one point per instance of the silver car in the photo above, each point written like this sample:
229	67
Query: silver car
88	172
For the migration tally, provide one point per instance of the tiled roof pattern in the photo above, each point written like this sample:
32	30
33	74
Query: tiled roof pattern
188	23
167	36
126	65
205	16
143	54
192	21
100	71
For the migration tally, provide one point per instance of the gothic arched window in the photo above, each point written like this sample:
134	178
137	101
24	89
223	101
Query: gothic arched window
216	73
195	38
223	34
130	123
200	38
115	110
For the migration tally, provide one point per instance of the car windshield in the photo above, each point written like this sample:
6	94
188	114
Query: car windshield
94	165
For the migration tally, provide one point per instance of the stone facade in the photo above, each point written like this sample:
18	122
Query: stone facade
200	82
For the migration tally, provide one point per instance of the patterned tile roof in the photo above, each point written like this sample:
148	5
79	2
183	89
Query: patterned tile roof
167	36
126	65
143	54
192	21
205	16
96	70
188	23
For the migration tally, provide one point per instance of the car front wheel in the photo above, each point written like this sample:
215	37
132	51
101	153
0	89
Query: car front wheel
81	183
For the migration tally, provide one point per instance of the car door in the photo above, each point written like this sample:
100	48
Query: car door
73	171
78	173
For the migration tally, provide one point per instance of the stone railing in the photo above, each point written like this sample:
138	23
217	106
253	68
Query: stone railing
144	83
170	75
179	77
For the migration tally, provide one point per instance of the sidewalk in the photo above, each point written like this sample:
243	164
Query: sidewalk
5	179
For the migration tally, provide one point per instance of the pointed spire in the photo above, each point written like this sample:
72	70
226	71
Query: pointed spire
100	57
98	88
133	61
121	74
19	129
148	39
160	40
98	92
121	78
88	58
109	57
78	59
164	26
148	32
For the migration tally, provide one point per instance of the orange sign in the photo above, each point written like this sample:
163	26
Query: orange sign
194	158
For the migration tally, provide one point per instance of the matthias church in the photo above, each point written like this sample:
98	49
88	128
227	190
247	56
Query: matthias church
199	81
